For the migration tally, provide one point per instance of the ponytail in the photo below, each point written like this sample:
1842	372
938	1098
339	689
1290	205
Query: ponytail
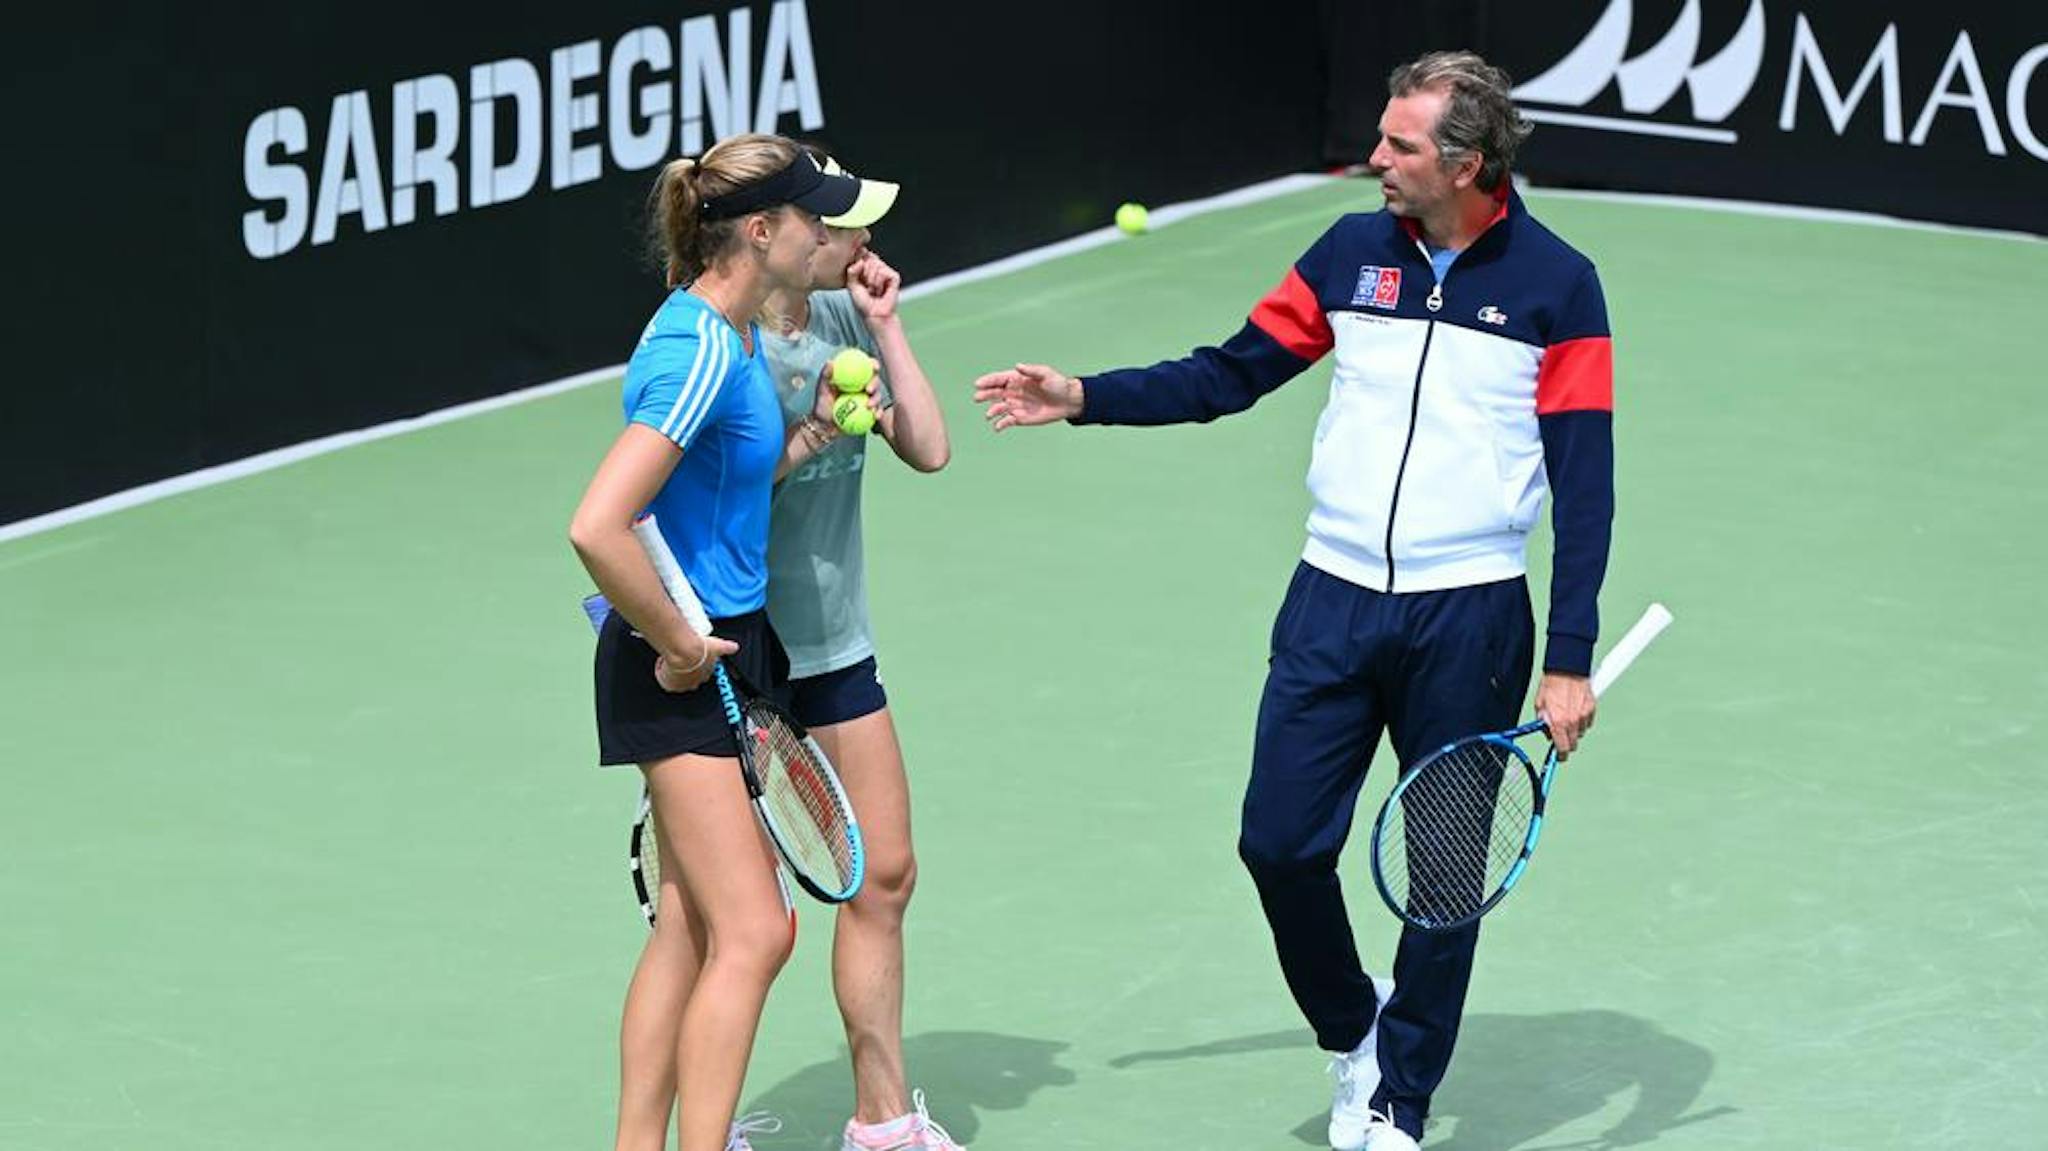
679	239
678	235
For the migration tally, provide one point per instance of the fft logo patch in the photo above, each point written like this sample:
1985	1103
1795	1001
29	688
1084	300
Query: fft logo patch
1377	286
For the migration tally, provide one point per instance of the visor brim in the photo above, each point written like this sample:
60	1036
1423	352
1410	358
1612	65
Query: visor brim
833	196
874	201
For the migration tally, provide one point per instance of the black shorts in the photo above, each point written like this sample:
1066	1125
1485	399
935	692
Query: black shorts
638	722
838	696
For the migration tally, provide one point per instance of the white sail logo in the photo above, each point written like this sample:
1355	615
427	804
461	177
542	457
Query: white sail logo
1650	81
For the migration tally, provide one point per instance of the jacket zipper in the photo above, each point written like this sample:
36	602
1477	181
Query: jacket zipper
1435	303
1414	414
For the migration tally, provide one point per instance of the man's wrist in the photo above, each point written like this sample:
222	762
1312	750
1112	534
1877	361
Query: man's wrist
1568	655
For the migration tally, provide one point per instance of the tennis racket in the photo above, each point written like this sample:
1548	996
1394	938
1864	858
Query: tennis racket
796	793
1457	832
643	863
643	854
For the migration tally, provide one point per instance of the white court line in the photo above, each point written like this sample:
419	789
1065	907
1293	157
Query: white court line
1159	218
271	460
1162	217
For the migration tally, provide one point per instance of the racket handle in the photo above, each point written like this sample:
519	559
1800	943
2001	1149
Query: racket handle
1655	619
671	573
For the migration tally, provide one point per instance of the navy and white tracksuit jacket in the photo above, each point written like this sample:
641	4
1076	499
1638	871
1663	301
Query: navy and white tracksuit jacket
1455	407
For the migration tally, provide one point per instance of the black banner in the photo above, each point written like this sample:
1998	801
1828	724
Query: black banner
1926	111
255	225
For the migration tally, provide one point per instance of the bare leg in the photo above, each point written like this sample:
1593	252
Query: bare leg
728	877
867	945
661	985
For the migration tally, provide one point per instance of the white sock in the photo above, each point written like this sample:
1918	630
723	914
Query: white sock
888	1129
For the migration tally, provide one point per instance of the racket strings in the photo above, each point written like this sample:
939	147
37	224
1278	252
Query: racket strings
1457	832
806	803
646	863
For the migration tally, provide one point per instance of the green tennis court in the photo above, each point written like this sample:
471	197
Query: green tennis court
303	848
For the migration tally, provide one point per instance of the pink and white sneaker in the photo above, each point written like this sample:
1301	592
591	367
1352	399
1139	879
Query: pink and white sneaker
913	1132
752	1123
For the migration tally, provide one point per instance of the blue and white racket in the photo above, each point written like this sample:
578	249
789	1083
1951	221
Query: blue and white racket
795	792
1458	830
643	854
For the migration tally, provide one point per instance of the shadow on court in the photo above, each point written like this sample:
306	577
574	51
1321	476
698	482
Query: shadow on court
964	1072
1518	1077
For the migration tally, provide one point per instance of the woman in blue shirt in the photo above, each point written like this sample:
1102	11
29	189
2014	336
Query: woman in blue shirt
703	435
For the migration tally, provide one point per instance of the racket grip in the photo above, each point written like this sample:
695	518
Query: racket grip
1655	619
671	573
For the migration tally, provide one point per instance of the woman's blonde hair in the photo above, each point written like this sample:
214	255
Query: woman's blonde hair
686	244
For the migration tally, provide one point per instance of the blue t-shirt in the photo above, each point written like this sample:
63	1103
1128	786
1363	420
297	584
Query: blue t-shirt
691	379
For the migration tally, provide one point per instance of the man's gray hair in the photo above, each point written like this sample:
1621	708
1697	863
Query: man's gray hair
1478	116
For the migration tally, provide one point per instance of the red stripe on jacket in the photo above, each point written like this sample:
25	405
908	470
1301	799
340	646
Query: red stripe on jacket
1292	316
1576	376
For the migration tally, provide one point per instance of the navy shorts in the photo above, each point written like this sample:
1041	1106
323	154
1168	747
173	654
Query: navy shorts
638	721
838	696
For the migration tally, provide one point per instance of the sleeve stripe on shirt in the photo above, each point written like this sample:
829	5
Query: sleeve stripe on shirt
701	387
688	392
1292	316
710	386
1576	376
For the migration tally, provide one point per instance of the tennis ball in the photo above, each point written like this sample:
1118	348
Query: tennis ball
853	415
1133	219
852	370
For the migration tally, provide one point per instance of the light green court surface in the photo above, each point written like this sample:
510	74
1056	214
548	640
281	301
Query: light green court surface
302	848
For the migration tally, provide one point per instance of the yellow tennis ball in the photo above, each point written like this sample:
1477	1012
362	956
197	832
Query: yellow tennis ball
1133	219
852	370
853	415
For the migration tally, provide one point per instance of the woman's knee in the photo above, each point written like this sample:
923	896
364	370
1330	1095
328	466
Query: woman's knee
757	942
889	883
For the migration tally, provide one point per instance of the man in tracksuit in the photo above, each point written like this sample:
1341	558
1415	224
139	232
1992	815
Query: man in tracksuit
1473	375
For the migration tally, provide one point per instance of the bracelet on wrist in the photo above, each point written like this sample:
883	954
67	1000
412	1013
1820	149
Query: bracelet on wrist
820	432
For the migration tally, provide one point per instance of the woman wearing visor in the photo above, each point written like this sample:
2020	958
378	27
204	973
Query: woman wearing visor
817	598
703	438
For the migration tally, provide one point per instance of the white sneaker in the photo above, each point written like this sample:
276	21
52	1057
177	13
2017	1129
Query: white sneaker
752	1123
917	1131
1382	1135
1358	1076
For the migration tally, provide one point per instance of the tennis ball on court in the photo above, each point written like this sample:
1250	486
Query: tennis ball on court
852	370
1133	219
853	415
